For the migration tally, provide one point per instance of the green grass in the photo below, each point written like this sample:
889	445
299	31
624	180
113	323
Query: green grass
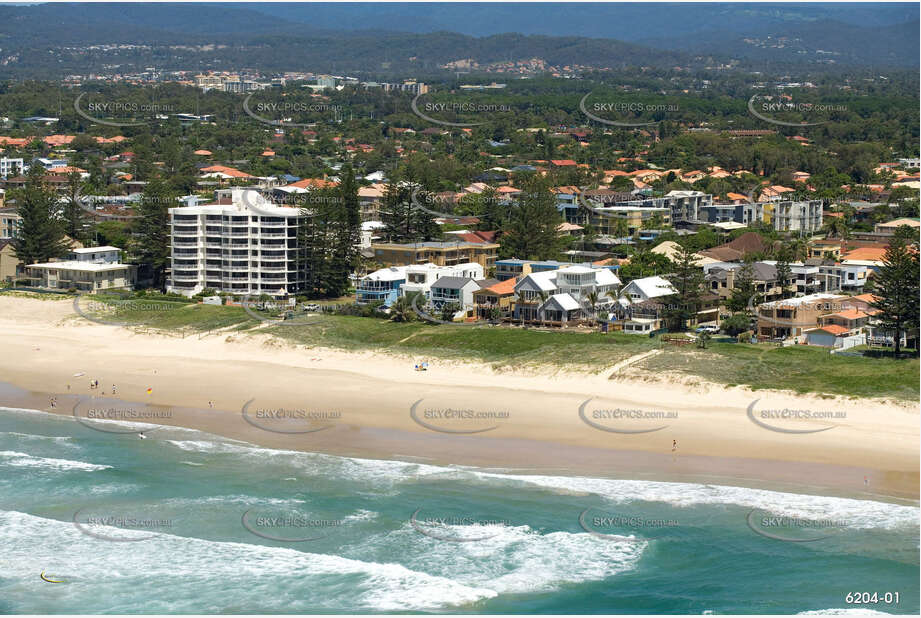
500	346
803	369
168	315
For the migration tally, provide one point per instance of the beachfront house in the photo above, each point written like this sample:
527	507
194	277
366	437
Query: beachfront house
647	288
492	300
456	291
420	277
565	294
382	286
641	305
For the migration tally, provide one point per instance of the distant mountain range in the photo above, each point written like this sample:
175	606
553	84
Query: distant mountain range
423	36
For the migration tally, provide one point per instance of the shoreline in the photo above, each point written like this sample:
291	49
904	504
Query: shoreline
554	424
378	444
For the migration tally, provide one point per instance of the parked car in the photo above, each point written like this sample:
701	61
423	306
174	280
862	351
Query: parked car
707	328
311	307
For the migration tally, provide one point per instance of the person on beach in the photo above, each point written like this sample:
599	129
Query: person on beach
674	445
211	404
113	389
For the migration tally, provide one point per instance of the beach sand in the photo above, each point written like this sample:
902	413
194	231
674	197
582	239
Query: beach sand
363	404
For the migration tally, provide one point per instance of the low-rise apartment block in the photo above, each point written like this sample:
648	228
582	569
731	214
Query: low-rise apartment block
90	269
791	317
440	253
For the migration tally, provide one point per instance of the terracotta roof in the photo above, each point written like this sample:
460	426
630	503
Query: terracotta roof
312	183
850	314
223	169
834	329
503	287
479	237
868	298
865	253
563	162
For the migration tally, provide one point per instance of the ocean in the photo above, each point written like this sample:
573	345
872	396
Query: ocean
189	522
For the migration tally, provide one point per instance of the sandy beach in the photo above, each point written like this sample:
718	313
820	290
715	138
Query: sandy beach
376	405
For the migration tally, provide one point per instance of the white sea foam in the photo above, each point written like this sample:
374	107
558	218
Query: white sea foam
386	473
25	460
66	440
361	515
236	499
856	513
212	577
511	559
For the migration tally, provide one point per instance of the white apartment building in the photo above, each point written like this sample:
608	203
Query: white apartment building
246	247
88	269
783	216
9	220
11	167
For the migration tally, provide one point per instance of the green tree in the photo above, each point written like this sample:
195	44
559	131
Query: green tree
531	232
347	234
906	234
406	214
784	272
153	230
72	213
743	289
41	233
896	286
687	279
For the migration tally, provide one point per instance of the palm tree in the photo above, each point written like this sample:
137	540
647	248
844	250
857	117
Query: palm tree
592	298
543	296
837	227
401	310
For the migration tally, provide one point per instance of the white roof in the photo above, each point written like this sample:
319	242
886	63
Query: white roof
82	266
95	249
576	270
565	301
387	274
803	300
729	225
605	276
684	194
544	280
653	287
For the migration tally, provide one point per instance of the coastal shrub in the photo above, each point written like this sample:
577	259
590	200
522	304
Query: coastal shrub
735	324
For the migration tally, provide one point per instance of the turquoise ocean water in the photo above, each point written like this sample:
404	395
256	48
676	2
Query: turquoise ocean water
188	522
